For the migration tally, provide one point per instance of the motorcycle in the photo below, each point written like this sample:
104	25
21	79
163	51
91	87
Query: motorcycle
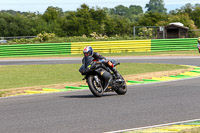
97	75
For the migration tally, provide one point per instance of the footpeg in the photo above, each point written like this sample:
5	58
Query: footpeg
119	80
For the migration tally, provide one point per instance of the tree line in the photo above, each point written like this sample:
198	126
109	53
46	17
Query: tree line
86	20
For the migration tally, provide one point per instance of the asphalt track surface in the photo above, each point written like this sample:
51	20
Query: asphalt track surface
72	112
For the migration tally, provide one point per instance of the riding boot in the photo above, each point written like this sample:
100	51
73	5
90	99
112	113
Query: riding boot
115	72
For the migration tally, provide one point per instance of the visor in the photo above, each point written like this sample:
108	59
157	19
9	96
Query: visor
86	54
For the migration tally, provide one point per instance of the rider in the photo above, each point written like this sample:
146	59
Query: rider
88	51
198	45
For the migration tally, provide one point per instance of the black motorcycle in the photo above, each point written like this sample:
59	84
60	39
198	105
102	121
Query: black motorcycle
100	78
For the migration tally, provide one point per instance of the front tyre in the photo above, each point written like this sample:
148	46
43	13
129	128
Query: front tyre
95	88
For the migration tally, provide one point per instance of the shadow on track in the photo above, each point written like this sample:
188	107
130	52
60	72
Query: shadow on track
88	96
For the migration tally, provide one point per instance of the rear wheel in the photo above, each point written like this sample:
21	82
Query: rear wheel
95	87
123	89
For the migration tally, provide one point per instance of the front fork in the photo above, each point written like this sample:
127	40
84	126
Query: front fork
96	78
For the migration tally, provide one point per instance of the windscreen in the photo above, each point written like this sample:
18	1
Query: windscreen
86	62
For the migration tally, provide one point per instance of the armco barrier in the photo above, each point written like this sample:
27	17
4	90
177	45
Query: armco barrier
99	46
173	44
113	46
35	49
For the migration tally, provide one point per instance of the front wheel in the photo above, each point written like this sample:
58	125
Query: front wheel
95	87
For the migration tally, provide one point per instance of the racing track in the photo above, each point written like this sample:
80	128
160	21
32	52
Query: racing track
72	112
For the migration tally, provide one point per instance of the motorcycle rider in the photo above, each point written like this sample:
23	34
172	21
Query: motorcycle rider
88	51
198	45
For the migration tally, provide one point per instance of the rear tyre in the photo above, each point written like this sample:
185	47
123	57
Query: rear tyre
97	90
122	90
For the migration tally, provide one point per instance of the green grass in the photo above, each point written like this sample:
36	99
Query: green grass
1	93
138	68
35	75
194	130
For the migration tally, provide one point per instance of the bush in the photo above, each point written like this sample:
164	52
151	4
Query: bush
51	38
21	41
43	37
95	36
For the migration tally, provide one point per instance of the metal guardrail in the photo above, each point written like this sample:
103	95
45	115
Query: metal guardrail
102	47
174	44
35	49
113	46
137	45
16	37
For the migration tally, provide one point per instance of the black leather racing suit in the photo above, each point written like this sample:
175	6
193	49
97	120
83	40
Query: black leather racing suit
106	75
102	59
98	57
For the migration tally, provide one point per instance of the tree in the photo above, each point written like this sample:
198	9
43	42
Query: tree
195	16
84	21
126	11
192	11
53	17
117	25
3	27
156	6
135	10
38	24
120	10
151	19
52	13
187	8
184	9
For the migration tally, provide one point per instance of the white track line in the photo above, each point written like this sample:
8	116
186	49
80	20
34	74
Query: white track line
139	128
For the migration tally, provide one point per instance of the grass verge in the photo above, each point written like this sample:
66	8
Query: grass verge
2	93
34	75
194	130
